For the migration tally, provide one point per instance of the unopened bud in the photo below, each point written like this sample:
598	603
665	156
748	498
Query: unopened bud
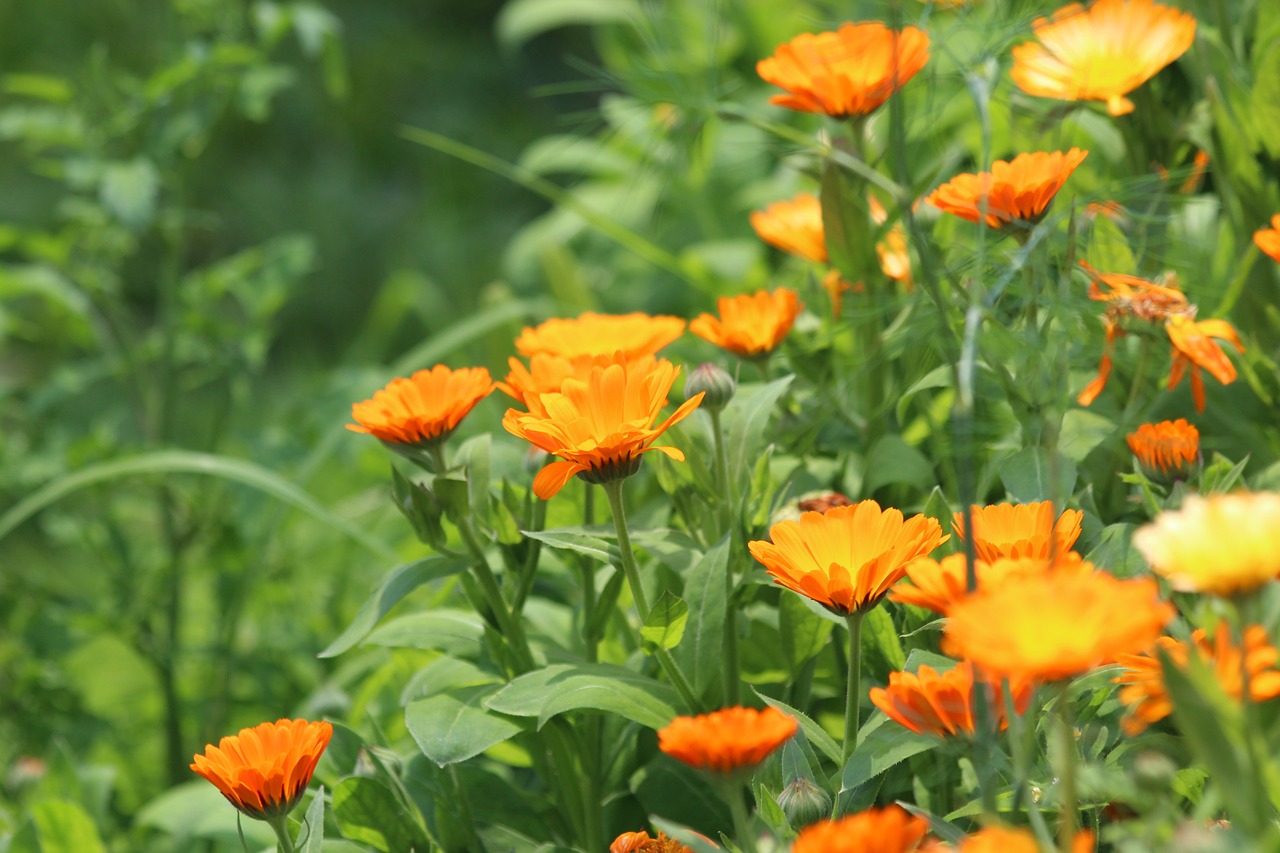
803	802
718	385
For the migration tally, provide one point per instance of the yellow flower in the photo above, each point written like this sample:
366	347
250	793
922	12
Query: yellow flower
594	334
1015	192
263	771
750	324
1020	530
1268	239
726	740
424	408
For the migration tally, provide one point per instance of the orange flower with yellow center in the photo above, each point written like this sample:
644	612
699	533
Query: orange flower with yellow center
937	584
640	842
600	426
848	72
1015	192
1144	689
1051	625
941	704
1000	839
263	771
1020	530
1166	450
424	408
594	334
1268	239
751	324
726	740
1194	348
794	226
546	373
848	557
888	830
1221	545
1101	53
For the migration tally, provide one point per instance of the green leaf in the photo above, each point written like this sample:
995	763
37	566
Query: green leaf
816	734
449	729
1109	249
940	377
804	633
1222	475
1081	432
196	812
558	688
130	190
846	221
521	20
881	745
313	824
476	453
668	788
1264	99
664	626
394	586
568	539
1034	474
366	811
880	639
64	827
892	461
699	655
746	418
456	632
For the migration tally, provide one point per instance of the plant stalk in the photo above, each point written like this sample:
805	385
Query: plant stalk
853	692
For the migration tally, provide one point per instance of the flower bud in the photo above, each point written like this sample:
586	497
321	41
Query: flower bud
803	802
718	385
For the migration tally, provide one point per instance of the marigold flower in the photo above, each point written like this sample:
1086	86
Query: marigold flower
263	771
1194	348
726	740
999	839
592	334
424	408
1166	450
937	584
1268	239
888	830
600	426
848	557
1051	625
794	226
751	324
1101	53
1014	192
1020	530
546	373
848	72
640	842
941	704
1221	544
1143	679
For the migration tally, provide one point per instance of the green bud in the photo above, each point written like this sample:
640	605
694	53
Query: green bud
803	802
718	385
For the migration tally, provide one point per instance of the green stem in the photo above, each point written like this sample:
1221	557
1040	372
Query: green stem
280	826
512	630
853	692
731	792
463	806
1066	759
729	522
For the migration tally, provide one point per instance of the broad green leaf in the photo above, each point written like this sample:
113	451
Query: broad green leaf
664	627
64	827
568	539
746	418
666	787
881	744
366	811
521	20
449	729
558	688
804	633
1034	474
880	639
1081	432
1222	475
1109	250
846	222
816	734
892	461
699	655
476	454
313	825
393	587
195	811
1264	100
457	632
940	377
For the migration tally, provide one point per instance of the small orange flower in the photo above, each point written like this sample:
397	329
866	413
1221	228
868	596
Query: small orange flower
937	584
794	226
847	72
848	557
1268	239
594	334
424	408
1143	679
1051	625
1194	348
750	324
1221	545
888	830
263	771
640	842
1014	192
600	426
927	702
1167	450
1102	53
895	259
999	839
726	740
1020	530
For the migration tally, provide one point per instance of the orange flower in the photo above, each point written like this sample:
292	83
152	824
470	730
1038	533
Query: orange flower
794	226
1166	450
1014	192
847	72
594	334
927	702
601	425
1053	625
999	839
836	287
726	740
936	585
848	557
1020	530
1193	347
424	408
640	842
1221	545
1144	688
1268	239
1102	53
895	260
750	324
888	830
546	373
263	771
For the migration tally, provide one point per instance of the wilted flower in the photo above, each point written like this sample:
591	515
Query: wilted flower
1268	239
263	771
640	842
1020	530
751	324
1194	348
941	704
1016	192
424	408
726	740
1168	450
888	830
592	334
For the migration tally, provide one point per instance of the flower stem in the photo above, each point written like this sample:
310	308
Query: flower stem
1066	759
853	694
731	792
280	825
728	522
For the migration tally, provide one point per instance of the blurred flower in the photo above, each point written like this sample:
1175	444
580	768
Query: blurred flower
726	740
803	802
1199	165
1194	347
888	830
1053	625
1110	209
1014	192
848	557
546	373
640	842
836	287
1020	530
263	771
1268	239
424	408
937	584
847	72
713	381
1221	545
593	334
1168	450
941	704
751	324
895	260
601	425
822	501
1143	679
999	839
794	226
1101	53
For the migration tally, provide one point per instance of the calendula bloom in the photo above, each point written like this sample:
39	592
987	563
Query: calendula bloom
794	226
546	373
847	72
848	557
1221	544
600	426
594	334
1020	530
895	260
726	740
640	842
424	408
1101	53
937	584
1268	239
263	771
1018	191
836	287
941	704
888	830
751	324
1051	625
1166	450
1000	839
1144	689
1194	348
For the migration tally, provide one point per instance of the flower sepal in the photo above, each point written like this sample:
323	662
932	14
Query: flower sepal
420	506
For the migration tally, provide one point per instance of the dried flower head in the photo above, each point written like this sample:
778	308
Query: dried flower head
751	324
1016	192
640	842
263	771
888	830
1020	530
941	704
1168	450
1268	239
726	740
424	408
594	334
